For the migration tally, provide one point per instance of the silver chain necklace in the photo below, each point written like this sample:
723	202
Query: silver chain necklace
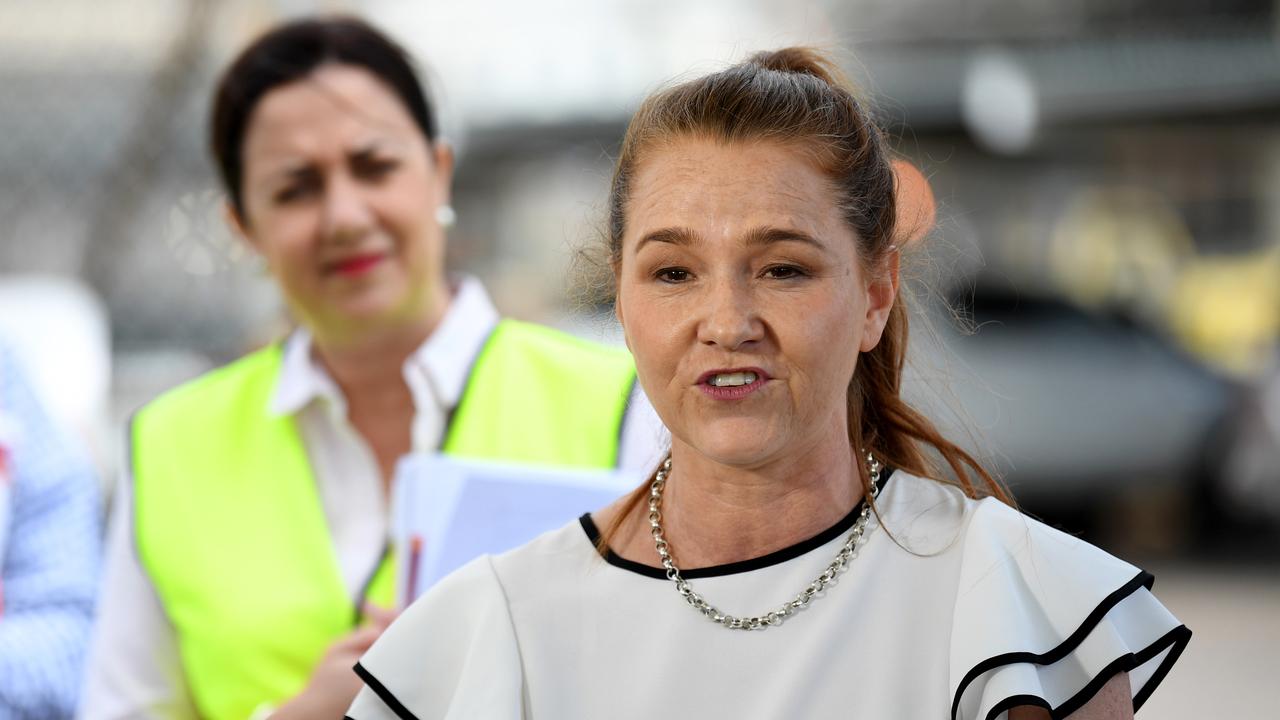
847	553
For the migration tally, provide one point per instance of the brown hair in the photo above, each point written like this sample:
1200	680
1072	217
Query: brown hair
797	96
290	52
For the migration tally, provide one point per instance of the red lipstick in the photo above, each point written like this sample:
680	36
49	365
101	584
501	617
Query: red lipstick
355	265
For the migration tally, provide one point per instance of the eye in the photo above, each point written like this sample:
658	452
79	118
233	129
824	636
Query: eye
295	191
375	168
672	275
783	272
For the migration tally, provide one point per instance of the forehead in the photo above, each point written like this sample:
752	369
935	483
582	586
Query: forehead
696	182
324	113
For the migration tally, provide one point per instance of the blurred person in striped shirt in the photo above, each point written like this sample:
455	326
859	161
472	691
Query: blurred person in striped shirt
50	544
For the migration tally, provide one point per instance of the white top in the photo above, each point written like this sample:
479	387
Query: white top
134	667
975	609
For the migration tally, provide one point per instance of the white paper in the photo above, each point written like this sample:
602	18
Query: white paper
446	511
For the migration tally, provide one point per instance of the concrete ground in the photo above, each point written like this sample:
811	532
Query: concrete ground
1231	669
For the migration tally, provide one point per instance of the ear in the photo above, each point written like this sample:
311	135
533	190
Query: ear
617	312
882	291
443	159
917	213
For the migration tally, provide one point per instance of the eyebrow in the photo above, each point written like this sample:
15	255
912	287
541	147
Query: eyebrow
670	235
371	149
766	235
292	173
304	169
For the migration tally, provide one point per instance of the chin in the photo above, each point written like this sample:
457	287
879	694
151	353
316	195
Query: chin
370	309
737	443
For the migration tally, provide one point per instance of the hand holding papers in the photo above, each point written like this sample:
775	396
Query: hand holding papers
447	511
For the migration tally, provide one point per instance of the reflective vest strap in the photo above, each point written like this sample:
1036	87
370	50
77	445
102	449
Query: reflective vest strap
381	587
540	396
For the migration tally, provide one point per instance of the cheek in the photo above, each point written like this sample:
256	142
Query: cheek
824	337
652	340
413	196
411	220
288	240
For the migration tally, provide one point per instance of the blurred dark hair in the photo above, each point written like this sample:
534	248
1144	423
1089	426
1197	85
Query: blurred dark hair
291	52
797	97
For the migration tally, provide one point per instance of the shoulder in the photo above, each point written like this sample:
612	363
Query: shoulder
531	337
559	558
469	591
472	667
924	516
1043	615
253	374
488	585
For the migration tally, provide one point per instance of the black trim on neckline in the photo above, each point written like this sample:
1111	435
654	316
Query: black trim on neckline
1176	639
393	704
774	558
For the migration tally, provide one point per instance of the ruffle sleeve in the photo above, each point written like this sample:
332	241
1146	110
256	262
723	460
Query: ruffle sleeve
1045	619
451	655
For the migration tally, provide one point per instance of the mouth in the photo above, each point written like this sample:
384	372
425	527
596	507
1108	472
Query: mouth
732	383
354	265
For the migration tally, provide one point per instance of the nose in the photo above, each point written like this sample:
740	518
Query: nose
347	215
731	319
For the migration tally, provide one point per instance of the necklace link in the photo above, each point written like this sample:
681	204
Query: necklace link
848	551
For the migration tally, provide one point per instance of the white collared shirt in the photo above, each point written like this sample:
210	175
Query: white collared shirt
134	666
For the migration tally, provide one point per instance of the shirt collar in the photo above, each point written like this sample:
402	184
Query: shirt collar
445	358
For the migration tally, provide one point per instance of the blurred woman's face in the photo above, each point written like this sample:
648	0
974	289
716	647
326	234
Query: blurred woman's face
743	300
340	193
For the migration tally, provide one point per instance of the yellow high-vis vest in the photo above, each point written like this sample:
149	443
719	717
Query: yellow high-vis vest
229	524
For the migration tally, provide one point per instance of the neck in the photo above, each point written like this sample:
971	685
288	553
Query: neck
369	361
715	513
366	368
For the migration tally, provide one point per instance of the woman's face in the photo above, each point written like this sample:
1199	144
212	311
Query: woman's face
742	298
340	191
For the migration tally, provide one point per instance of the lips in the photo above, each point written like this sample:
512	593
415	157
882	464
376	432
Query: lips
729	384
354	264
711	376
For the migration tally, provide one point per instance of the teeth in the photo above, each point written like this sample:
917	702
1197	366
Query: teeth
732	379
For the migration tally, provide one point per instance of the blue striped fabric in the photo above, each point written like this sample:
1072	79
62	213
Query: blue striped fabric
51	557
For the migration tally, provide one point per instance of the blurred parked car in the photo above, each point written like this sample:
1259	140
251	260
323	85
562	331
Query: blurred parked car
1074	408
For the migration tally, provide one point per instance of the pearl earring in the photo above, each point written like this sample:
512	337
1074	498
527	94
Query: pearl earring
446	216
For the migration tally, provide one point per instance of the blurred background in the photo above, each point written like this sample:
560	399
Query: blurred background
1097	312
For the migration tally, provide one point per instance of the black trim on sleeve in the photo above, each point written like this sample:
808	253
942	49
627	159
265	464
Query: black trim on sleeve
774	558
393	704
1014	701
1176	638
